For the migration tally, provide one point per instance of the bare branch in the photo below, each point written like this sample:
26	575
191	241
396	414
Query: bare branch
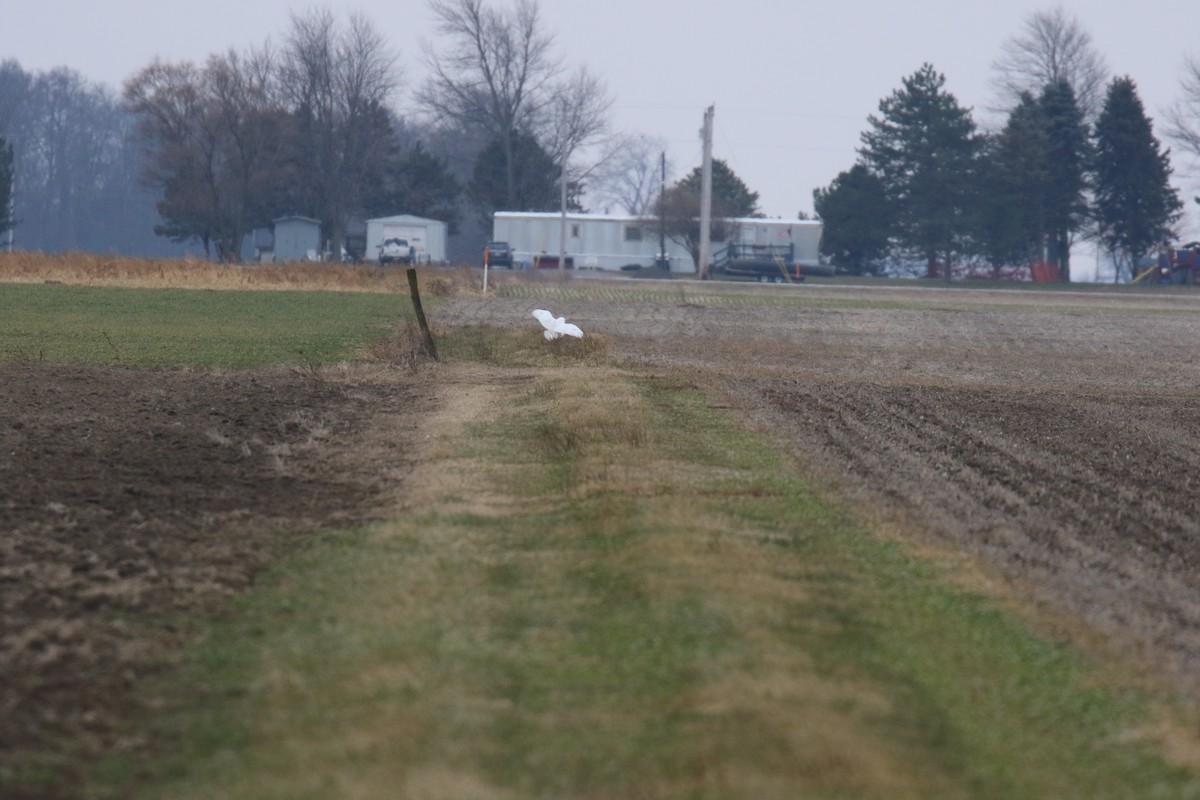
1053	46
1183	118
338	81
631	177
497	76
576	114
495	71
368	69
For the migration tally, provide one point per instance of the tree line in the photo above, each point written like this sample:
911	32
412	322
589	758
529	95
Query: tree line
308	126
202	153
309	129
68	179
1076	157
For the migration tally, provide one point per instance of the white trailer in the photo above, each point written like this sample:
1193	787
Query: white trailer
427	237
610	242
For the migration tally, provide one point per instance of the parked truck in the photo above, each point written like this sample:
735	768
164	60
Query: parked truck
425	237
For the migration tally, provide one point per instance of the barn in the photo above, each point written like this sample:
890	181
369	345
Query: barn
427	237
611	242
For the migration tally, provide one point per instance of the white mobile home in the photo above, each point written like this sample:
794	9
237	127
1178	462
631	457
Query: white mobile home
427	237
610	242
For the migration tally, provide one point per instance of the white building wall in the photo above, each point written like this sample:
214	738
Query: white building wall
426	236
600	241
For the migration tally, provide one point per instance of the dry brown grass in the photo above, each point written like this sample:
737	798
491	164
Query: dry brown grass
90	269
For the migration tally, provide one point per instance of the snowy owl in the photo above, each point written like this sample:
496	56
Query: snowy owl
556	326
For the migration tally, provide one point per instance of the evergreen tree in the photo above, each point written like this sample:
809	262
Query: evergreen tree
1067	154
6	190
1034	179
1135	204
857	221
924	149
420	183
529	183
1012	212
731	196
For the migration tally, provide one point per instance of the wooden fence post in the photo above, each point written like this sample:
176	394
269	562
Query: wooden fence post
426	336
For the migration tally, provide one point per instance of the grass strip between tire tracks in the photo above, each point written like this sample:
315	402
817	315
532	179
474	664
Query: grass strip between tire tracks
603	587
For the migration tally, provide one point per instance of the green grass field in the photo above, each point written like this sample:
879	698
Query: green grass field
167	327
601	586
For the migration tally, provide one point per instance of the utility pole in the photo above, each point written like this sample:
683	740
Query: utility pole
706	193
562	226
663	261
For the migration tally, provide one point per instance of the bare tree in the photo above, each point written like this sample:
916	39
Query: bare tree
14	89
494	74
1183	118
576	115
497	74
76	180
253	132
677	211
633	177
216	144
1052	46
180	147
338	82
69	153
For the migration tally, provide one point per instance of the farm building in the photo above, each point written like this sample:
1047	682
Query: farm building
296	239
610	242
427	237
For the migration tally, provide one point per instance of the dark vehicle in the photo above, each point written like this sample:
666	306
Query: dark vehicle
498	254
764	262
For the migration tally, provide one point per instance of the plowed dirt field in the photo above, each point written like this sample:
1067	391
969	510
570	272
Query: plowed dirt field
133	499
1055	434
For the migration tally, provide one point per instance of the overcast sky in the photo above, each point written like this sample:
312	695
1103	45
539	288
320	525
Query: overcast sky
793	82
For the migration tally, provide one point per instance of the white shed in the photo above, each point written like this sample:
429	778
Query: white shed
607	241
427	237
